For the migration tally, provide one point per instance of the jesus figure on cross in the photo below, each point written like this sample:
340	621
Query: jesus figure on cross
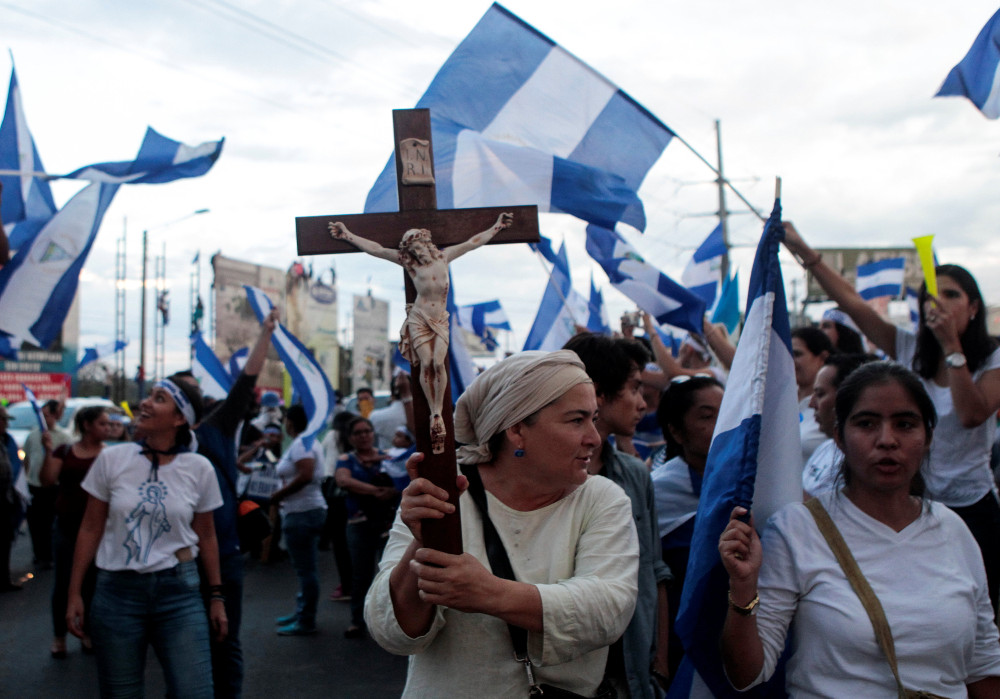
423	339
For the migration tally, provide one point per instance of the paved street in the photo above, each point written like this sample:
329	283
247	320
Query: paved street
324	665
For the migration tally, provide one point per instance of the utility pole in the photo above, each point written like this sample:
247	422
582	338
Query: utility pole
720	181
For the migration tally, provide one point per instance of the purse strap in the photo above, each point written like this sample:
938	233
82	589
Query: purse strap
500	563
883	634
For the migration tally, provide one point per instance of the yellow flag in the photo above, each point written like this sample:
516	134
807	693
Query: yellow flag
925	249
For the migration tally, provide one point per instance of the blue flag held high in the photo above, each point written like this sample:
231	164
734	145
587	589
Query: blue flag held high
26	204
727	310
704	272
597	319
308	379
92	354
881	278
212	376
976	75
518	120
755	461
237	360
654	292
561	309
39	418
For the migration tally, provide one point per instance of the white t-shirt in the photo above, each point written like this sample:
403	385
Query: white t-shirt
929	579
822	469
676	502
958	472
310	497
810	435
582	554
149	520
331	452
386	420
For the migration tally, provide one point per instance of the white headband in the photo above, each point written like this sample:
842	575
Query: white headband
180	399
838	316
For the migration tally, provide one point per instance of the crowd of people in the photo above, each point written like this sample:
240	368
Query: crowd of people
580	479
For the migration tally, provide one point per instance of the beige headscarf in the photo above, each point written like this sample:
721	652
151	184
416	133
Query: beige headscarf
508	392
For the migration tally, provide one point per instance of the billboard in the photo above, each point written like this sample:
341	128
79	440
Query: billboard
846	261
311	315
371	360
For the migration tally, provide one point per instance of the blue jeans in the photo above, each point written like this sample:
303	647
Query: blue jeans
364	539
163	609
302	531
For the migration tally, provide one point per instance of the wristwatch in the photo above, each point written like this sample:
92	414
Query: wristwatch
955	360
749	610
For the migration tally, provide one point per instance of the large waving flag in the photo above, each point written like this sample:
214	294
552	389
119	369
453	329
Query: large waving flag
653	291
754	461
212	376
977	76
704	272
160	160
308	379
560	311
38	285
597	318
26	204
518	120
92	354
881	278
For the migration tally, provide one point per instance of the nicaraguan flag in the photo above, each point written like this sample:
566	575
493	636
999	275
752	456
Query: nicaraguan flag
597	318
461	369
27	203
977	76
238	360
308	379
727	311
160	160
518	120
92	354
29	396
212	377
881	278
561	309
704	272
37	286
913	303
755	461
477	317
653	291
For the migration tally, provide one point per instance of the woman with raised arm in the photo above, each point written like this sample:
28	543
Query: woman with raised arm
959	366
148	518
927	623
567	539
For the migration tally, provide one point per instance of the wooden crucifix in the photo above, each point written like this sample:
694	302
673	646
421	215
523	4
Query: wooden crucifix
414	238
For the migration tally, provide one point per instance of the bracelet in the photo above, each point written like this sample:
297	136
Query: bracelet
749	610
408	399
219	598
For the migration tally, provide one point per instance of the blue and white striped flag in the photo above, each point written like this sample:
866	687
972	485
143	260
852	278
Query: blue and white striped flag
597	320
560	311
461	369
704	272
977	76
881	278
755	461
92	354
913	303
27	203
160	159
308	379
212	376
518	120
238	360
654	292
477	317
38	285
29	395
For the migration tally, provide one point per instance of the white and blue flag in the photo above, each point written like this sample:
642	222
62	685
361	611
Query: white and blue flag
881	278
727	310
238	360
518	120
704	272
755	461
461	369
26	204
560	311
654	292
482	318
160	159
597	318
108	349
212	376
913	304
308	379
38	285
29	395
977	76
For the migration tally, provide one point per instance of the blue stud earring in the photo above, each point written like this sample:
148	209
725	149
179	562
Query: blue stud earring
519	453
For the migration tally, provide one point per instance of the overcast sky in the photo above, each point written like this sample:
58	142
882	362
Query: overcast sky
833	97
